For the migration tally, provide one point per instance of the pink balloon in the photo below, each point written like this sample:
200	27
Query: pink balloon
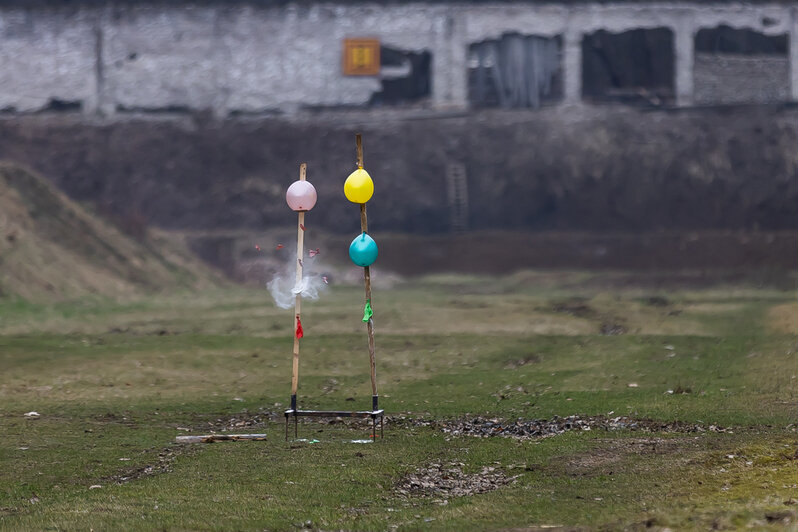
301	196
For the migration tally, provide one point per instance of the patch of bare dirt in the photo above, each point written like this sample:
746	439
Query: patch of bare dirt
784	318
612	329
162	464
258	421
449	480
538	428
243	420
578	308
575	307
529	359
782	517
615	451
657	301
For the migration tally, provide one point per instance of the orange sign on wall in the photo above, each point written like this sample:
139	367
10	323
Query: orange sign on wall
361	57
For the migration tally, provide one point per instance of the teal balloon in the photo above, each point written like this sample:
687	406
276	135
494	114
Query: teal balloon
363	250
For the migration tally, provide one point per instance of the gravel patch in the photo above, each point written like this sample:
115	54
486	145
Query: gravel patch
448	480
538	428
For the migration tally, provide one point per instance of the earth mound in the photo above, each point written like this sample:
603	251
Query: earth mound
52	248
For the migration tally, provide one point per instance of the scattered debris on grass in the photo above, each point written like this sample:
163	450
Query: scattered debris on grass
612	329
575	306
330	386
657	301
487	427
782	517
213	438
537	428
448	480
509	391
578	308
260	420
32	415
243	420
529	359
162	465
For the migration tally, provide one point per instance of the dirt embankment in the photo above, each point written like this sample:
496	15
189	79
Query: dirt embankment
592	169
52	248
592	187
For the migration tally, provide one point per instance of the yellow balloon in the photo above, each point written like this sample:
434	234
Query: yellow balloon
359	187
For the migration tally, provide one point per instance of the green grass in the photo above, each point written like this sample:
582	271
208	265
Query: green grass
116	381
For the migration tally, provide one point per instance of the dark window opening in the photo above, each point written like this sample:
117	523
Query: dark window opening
62	106
635	66
405	76
726	40
166	109
515	71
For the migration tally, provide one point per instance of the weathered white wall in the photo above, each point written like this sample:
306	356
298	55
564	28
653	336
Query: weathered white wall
46	55
245	58
250	59
162	57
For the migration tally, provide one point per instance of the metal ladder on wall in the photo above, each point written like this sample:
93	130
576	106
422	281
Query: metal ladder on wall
457	194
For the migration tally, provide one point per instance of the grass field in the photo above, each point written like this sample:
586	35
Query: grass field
703	379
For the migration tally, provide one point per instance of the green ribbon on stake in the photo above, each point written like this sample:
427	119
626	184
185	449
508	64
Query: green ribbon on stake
367	312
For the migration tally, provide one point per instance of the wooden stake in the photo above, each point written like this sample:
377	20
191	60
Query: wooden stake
370	326
364	227
300	252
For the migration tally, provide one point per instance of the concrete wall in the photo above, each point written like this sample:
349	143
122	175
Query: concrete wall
253	59
47	55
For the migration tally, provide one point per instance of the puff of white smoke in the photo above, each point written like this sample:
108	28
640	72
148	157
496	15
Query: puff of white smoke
284	288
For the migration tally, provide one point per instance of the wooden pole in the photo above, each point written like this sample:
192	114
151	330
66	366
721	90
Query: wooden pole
359	142
300	252
364	227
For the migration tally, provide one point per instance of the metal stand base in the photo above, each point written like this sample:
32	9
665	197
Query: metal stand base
373	414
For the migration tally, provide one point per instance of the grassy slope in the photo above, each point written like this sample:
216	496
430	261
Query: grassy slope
116	381
52	248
